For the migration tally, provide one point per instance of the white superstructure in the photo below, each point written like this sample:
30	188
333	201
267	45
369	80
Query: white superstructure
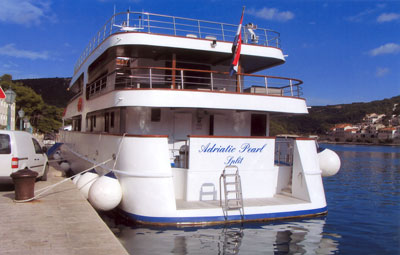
189	142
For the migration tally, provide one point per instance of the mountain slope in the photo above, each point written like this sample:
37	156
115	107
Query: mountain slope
53	90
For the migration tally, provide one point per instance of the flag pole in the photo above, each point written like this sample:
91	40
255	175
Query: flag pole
236	53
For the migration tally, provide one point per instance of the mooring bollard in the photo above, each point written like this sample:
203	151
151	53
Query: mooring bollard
24	183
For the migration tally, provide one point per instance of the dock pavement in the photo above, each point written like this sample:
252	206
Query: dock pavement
60	222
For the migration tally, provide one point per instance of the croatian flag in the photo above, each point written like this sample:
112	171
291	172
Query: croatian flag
236	46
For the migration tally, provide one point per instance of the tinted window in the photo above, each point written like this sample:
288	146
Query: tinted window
5	147
258	125
38	149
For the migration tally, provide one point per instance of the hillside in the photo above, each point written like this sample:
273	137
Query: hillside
53	90
321	118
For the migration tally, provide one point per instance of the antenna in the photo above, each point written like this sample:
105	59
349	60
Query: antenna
113	19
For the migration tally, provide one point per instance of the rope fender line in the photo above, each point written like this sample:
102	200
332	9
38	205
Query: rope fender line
48	188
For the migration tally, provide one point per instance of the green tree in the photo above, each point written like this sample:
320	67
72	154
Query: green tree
44	118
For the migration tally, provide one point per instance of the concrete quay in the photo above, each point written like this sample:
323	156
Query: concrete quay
60	222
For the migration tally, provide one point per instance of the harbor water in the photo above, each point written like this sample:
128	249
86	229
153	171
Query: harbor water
363	218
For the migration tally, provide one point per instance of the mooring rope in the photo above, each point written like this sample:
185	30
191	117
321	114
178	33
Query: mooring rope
45	189
118	151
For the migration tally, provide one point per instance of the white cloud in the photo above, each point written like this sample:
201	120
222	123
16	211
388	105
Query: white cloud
24	12
387	17
11	51
271	14
359	17
381	71
366	14
389	48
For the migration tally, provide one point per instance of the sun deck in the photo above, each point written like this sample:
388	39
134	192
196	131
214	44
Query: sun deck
149	23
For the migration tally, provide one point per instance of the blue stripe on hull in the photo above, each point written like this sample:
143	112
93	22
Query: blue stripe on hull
211	219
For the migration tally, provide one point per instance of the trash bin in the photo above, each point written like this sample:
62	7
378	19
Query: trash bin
24	183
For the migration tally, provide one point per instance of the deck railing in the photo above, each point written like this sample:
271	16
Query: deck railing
191	79
170	25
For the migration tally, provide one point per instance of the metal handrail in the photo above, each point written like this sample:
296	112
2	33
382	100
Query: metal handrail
193	79
145	22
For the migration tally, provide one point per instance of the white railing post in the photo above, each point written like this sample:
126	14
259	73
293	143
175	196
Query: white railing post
266	85
222	30
148	22
173	20
182	79
151	79
291	87
111	25
212	81
298	90
198	26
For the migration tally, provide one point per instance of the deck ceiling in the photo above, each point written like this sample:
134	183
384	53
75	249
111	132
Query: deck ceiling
249	64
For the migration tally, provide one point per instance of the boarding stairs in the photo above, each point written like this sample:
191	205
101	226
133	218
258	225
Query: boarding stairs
230	181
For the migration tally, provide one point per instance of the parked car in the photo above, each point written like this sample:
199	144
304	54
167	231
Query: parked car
18	150
49	140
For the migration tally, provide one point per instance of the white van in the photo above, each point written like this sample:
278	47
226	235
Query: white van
18	150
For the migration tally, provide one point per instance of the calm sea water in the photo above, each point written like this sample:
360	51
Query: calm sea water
363	218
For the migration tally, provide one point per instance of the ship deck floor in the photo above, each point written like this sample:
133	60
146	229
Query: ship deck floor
278	199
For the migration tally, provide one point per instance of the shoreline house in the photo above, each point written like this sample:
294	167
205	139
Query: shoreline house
373	118
387	133
371	127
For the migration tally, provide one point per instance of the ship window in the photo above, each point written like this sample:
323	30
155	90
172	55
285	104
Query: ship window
211	130
92	122
106	122
112	119
258	125
76	123
155	115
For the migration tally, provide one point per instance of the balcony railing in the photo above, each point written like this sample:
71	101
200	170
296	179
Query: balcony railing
170	25
191	79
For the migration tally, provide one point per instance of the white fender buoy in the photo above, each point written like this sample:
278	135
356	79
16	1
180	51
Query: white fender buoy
85	181
65	166
105	193
76	179
329	162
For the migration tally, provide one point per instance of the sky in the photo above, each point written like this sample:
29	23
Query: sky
344	51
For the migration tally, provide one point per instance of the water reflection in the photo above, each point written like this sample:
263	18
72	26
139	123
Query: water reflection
363	203
291	237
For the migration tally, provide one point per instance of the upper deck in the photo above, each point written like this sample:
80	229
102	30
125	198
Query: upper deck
198	41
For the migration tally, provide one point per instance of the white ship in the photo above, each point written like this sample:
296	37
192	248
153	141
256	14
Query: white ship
183	141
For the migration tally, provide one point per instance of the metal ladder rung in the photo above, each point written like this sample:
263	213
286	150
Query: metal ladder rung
230	175
234	200
233	208
231	183
232	191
